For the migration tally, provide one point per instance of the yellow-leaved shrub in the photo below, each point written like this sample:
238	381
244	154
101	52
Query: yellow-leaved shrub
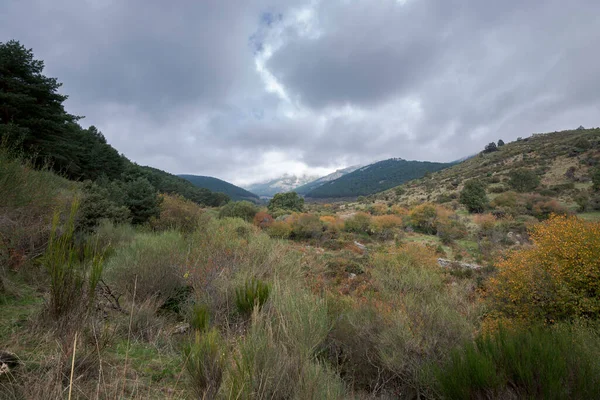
557	278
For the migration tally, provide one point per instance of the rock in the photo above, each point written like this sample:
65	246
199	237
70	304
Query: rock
452	264
360	246
352	275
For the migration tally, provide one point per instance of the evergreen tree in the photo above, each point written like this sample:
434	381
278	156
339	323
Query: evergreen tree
142	200
490	148
32	115
500	143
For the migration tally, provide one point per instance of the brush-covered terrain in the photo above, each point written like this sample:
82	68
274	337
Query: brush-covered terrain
125	287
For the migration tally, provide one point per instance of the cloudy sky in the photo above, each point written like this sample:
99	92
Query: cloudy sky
246	90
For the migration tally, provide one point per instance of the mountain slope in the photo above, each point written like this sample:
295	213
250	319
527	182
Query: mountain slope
563	161
375	178
285	183
310	186
220	186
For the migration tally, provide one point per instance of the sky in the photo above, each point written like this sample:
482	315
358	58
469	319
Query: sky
247	90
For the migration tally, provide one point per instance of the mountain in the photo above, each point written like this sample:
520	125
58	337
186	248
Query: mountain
563	161
310	186
218	185
285	183
375	178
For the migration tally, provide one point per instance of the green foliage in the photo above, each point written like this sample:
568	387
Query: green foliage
490	148
239	209
596	179
218	186
254	293
523	180
205	363
500	143
358	223
200	317
74	274
535	363
473	196
375	178
98	204
142	200
306	226
150	266
289	201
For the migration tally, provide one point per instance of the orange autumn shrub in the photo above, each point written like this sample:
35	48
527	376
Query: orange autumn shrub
332	223
557	278
263	219
379	209
399	210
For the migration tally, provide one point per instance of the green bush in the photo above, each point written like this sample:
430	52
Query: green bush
548	363
523	180
151	266
473	196
306	226
254	293
358	223
290	201
239	209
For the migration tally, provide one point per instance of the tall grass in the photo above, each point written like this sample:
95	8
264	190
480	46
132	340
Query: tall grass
541	362
74	273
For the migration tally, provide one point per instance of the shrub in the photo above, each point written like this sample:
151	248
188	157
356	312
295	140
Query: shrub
533	363
205	363
399	210
596	179
542	207
485	222
254	293
263	220
423	218
151	266
379	209
449	230
358	223
523	180
142	200
332	223
239	209
473	196
97	206
386	226
555	278
176	212
280	230
306	226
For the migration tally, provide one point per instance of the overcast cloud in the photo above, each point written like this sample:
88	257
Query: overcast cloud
248	90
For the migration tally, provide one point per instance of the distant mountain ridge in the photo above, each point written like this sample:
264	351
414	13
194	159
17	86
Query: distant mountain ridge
285	183
218	185
310	186
375	178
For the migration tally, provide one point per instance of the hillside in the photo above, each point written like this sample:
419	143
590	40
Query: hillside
375	178
310	186
285	183
220	186
561	160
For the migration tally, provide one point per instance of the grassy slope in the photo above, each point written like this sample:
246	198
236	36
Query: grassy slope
551	155
218	185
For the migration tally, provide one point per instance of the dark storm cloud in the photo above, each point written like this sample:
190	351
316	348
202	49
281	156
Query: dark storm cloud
245	90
